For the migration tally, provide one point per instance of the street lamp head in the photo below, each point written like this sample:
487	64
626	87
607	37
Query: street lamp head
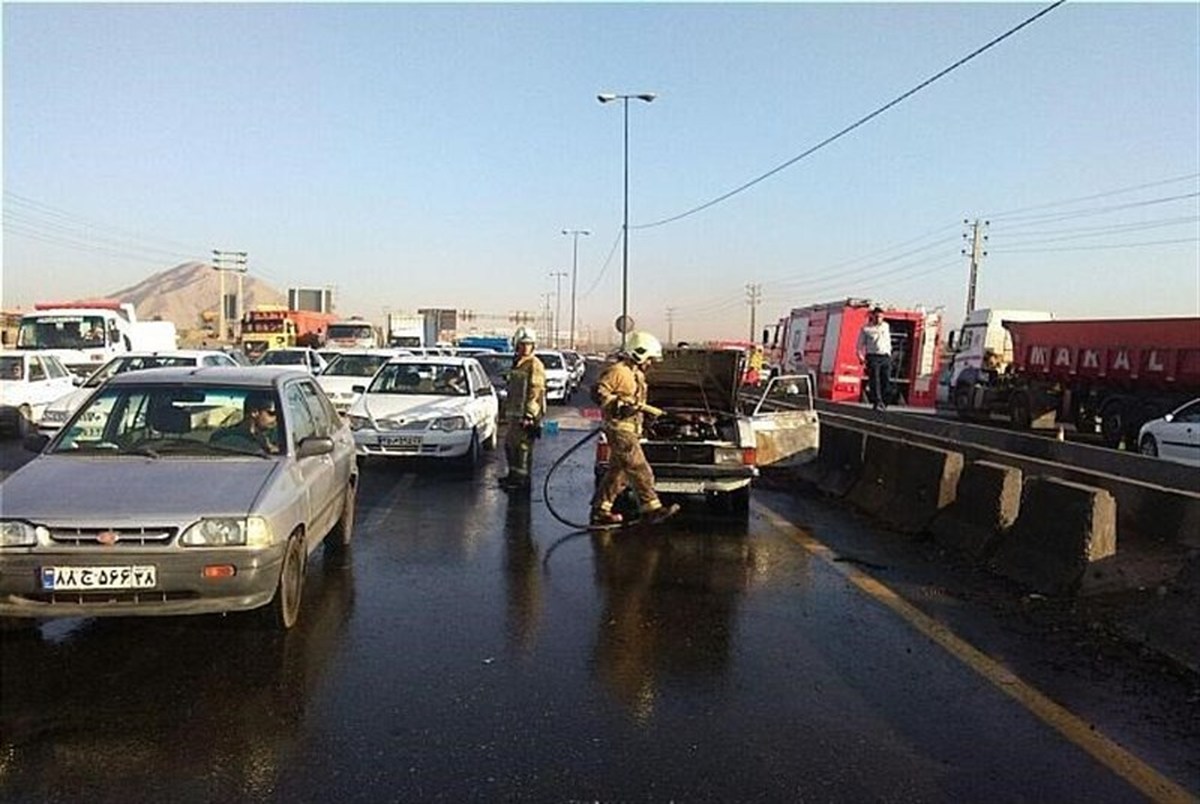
606	97
647	96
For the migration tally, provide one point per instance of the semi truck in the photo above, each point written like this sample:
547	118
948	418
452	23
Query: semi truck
84	334
354	333
820	341
1105	375
277	327
406	329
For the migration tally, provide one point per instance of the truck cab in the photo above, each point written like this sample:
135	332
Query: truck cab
84	335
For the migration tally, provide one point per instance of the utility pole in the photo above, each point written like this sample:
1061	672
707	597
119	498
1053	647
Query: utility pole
558	278
671	325
546	315
575	233
228	261
976	254
753	297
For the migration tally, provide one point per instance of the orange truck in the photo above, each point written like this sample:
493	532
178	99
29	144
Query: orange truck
279	328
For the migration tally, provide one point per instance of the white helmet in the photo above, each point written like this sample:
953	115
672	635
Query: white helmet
642	347
523	335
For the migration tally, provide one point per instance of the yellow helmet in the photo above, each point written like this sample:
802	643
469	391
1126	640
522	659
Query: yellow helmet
523	335
642	347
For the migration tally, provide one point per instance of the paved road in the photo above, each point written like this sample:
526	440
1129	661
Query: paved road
476	649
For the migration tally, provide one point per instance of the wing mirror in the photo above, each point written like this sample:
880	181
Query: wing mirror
358	389
314	445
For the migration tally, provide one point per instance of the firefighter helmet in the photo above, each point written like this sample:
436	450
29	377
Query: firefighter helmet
642	347
523	335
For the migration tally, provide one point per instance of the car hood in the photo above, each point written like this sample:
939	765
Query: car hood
340	384
406	408
71	402
696	378
108	487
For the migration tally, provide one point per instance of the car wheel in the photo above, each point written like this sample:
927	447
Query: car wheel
739	501
24	421
338	538
470	459
1148	446
284	609
493	441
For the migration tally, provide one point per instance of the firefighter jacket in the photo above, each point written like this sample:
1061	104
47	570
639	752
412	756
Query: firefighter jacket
526	390
620	392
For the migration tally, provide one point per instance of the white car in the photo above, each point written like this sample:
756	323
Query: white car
429	407
60	410
300	357
350	368
558	375
29	381
1174	437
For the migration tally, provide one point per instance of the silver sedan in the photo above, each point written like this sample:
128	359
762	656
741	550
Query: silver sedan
179	491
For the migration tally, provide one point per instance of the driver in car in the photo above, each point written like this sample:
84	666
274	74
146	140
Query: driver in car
259	427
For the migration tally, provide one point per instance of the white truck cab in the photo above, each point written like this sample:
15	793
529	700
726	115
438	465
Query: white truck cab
84	335
982	332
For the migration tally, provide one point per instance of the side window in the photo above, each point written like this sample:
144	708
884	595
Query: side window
37	371
1190	414
321	421
299	418
480	379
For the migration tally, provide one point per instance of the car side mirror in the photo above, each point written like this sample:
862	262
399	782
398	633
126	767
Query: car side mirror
484	391
1170	417
35	442
314	445
76	380
358	389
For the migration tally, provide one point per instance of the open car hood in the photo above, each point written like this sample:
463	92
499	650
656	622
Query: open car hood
696	378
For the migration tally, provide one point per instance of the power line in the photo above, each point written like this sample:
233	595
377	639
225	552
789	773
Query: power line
1085	213
853	126
1097	247
35	208
1065	202
1057	236
604	267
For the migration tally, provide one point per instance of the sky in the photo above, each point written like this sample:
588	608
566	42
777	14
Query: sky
415	155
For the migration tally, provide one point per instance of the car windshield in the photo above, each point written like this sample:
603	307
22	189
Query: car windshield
496	365
355	365
120	365
12	367
280	357
550	360
158	420
62	332
432	379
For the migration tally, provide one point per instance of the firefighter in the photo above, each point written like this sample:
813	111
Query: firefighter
621	393
524	408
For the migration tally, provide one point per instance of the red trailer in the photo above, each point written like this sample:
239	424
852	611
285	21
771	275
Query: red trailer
820	340
1113	374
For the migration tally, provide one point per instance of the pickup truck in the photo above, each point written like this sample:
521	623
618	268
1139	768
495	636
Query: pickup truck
713	440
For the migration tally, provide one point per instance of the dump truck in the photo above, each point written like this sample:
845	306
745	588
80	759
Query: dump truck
276	327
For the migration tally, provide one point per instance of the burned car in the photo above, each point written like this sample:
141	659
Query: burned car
714	439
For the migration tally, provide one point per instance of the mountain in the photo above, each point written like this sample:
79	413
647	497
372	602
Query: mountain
187	294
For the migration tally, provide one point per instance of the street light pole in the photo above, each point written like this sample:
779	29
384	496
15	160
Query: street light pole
608	97
575	233
558	277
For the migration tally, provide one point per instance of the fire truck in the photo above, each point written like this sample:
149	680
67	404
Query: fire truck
277	327
819	340
1109	375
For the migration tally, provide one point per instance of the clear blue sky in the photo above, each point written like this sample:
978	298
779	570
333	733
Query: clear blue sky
416	155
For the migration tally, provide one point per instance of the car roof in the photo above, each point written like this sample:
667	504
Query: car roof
249	376
433	360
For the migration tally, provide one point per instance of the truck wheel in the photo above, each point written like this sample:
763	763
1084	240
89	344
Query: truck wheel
962	401
1112	422
1018	412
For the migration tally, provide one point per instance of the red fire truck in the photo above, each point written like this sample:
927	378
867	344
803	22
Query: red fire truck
819	340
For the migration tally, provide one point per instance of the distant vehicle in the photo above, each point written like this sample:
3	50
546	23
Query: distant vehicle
171	506
1175	436
490	343
497	365
352	334
274	327
406	330
351	368
1111	375
710	443
820	341
558	376
84	334
59	411
306	359
29	382
429	407
576	364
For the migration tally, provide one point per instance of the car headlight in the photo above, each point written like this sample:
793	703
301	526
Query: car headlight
20	534
359	422
227	532
449	423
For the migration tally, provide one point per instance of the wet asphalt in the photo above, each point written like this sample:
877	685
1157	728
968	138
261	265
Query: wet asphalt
474	648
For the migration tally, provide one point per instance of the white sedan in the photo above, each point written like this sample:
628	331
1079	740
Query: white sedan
429	407
1174	437
350	368
29	381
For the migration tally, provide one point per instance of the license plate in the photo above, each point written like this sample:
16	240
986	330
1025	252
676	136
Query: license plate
81	579
399	441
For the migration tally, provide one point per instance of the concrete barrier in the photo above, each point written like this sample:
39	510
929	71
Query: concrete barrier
840	462
1062	530
905	485
986	506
